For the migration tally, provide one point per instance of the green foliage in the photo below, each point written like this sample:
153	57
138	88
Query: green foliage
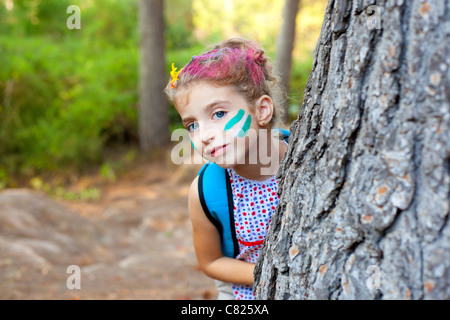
34	17
299	76
66	95
178	31
62	113
87	194
70	95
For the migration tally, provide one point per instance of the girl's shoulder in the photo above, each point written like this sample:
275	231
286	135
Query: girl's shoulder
193	191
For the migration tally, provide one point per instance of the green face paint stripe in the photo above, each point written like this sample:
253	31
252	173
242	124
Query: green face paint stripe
230	124
193	146
245	127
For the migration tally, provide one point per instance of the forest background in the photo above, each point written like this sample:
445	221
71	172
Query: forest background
69	98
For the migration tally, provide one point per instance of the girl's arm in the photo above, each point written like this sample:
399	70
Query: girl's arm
207	246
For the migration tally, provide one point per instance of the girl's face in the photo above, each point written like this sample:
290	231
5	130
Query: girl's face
218	120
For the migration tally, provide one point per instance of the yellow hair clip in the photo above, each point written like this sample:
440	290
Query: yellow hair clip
174	75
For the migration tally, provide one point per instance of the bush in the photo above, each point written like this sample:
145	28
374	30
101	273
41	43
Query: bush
63	98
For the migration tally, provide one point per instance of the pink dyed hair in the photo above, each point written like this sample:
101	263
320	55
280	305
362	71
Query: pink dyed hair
235	62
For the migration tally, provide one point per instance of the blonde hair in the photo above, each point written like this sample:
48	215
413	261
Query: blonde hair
235	62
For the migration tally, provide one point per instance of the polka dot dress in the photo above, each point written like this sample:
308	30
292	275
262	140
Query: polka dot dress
254	202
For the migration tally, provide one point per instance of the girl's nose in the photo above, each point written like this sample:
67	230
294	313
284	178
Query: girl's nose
208	135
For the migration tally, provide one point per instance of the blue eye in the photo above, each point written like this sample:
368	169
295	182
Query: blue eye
220	114
191	127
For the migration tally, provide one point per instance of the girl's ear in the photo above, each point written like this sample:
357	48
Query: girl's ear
264	110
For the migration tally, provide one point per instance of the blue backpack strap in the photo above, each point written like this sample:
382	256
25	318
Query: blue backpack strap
283	134
216	198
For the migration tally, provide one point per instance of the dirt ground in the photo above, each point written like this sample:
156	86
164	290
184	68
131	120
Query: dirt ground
134	242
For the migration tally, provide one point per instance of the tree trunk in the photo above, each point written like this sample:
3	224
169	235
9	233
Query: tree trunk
285	45
153	105
365	184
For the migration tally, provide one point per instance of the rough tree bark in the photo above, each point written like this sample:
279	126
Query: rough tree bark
365	183
285	45
153	105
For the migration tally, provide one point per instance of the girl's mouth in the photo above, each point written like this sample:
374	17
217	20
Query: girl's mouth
218	151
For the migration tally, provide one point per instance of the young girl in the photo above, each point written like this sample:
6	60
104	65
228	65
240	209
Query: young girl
224	96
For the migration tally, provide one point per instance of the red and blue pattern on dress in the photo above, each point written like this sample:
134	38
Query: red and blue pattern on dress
254	203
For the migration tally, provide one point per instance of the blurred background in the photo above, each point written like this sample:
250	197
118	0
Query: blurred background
69	142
